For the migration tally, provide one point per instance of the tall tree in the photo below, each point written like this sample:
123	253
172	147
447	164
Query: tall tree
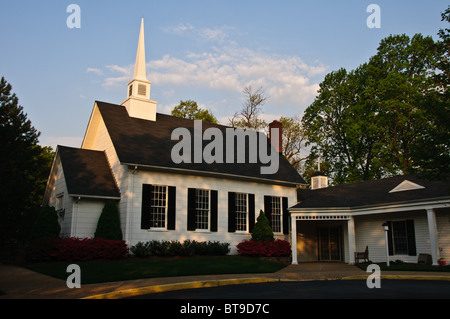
402	74
248	117
293	141
190	110
342	127
24	169
369	123
432	150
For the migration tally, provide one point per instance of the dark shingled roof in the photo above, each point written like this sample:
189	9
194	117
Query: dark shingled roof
371	193
87	173
148	143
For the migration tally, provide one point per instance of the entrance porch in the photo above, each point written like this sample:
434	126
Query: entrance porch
323	238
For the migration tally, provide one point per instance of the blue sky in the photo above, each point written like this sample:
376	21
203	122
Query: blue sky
206	51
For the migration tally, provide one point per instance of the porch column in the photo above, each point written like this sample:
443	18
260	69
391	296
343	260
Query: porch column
432	228
351	240
294	239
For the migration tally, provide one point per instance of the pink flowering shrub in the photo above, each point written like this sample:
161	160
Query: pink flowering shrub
83	249
276	248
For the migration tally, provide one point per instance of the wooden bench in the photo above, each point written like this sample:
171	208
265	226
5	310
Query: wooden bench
362	255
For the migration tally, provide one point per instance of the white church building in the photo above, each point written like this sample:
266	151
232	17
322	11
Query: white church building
127	155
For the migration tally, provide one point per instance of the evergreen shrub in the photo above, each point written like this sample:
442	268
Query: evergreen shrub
262	230
108	226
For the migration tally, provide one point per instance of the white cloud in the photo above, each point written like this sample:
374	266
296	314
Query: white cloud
214	34
178	29
94	70
112	80
286	80
217	34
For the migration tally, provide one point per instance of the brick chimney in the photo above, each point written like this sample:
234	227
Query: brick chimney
278	145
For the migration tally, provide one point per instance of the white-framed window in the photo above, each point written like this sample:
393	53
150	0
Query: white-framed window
276	215
400	237
241	212
59	201
158	202
203	209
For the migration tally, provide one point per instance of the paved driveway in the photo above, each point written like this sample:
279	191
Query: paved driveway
335	289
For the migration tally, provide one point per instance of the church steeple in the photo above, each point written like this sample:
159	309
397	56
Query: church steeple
319	179
139	68
138	103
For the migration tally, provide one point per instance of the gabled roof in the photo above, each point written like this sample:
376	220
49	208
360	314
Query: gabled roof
372	193
148	144
87	173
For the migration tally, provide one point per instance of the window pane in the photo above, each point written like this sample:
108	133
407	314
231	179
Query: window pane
400	238
202	208
159	205
276	214
241	212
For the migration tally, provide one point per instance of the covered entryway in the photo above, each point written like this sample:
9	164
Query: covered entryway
329	243
323	238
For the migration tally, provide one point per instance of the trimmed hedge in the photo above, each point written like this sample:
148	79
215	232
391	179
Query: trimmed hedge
253	248
83	249
176	248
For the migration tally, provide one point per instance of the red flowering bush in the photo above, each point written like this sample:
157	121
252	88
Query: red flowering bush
276	248
83	249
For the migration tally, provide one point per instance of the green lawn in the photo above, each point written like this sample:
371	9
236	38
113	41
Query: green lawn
133	268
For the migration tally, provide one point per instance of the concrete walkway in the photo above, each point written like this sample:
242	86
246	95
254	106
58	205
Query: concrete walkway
21	283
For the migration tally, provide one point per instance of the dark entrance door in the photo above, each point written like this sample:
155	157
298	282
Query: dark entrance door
329	241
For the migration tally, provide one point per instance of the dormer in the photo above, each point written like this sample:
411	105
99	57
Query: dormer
406	186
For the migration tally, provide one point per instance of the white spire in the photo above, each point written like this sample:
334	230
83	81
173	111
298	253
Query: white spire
139	68
138	102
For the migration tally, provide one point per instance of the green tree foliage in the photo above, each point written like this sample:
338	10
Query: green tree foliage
46	224
24	169
43	235
190	110
108	226
343	128
389	116
432	150
262	230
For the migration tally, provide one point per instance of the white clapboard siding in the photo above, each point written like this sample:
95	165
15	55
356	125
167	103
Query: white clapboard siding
182	183
86	215
443	228
369	232
59	187
97	138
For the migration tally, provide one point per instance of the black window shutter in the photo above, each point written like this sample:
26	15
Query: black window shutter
231	212
191	209
285	213
411	238
268	208
390	240
171	208
251	212
146	207
214	208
